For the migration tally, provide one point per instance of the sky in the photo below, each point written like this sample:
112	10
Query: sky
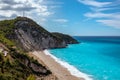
73	17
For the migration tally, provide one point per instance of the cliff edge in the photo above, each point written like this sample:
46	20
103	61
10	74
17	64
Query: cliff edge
28	35
19	36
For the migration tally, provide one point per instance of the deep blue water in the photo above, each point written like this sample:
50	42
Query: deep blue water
96	56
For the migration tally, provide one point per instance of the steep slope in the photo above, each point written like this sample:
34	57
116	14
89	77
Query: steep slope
68	39
16	65
30	36
20	36
33	36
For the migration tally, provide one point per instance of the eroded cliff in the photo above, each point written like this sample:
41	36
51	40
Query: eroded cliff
20	36
32	36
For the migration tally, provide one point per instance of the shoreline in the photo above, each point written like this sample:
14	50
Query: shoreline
57	67
73	71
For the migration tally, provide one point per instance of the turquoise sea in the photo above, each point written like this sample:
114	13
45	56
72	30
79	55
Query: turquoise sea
98	57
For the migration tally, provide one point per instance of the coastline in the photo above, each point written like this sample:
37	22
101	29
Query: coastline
57	67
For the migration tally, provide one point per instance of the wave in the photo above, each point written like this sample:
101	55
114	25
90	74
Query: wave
74	71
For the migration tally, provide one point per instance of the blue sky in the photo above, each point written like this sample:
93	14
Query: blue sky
74	17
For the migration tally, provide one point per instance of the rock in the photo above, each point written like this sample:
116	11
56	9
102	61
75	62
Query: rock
5	53
21	35
31	36
68	39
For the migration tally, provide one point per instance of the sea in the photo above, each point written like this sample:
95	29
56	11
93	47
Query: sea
94	58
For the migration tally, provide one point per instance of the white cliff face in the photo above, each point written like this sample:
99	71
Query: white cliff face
33	37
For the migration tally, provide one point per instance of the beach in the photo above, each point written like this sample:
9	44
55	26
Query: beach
58	70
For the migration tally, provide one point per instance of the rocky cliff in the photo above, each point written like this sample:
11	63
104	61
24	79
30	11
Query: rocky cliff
19	36
31	36
68	39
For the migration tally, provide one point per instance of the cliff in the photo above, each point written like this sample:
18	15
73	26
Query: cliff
30	36
68	39
19	36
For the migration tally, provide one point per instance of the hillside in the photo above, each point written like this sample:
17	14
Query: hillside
68	39
16	65
20	36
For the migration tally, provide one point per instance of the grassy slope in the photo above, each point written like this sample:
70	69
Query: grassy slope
68	39
7	29
12	66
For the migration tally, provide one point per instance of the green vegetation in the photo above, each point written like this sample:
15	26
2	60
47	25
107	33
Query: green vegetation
7	28
6	41
31	23
16	65
68	39
11	67
31	77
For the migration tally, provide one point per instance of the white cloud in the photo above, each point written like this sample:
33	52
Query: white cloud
60	20
6	17
31	8
41	11
99	12
113	23
97	15
102	15
94	3
96	9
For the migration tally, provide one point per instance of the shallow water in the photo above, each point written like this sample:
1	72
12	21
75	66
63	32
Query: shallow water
96	56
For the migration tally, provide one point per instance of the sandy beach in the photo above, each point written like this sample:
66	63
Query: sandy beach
59	71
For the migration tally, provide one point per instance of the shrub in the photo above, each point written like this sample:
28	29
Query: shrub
31	77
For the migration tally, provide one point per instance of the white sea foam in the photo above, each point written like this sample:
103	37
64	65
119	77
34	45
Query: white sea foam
74	71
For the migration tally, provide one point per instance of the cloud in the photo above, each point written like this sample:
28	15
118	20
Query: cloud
107	13
94	3
12	2
97	15
17	8
6	17
60	20
102	15
113	23
96	9
32	8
